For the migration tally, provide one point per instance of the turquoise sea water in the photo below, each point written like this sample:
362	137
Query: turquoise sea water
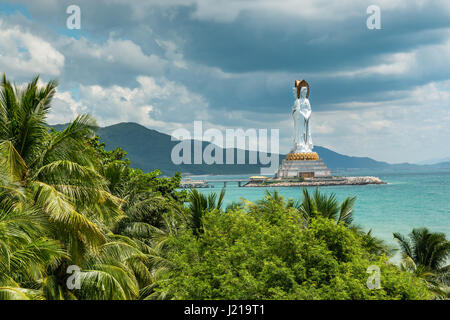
410	199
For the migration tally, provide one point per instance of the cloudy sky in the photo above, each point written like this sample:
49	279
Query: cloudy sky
231	63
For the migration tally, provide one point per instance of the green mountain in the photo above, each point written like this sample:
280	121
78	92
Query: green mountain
149	150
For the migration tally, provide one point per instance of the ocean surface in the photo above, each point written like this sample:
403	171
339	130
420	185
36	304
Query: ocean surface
410	199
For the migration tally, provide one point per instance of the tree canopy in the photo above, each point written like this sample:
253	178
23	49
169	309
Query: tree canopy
267	251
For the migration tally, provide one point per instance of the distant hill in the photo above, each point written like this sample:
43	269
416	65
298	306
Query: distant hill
150	149
435	161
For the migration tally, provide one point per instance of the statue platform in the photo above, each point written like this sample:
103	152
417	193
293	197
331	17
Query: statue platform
311	166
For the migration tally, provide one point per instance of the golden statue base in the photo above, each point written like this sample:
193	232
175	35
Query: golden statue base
309	156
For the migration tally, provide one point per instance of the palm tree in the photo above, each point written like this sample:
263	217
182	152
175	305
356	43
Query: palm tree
26	253
427	249
199	204
56	208
311	206
56	168
158	250
154	239
425	253
320	204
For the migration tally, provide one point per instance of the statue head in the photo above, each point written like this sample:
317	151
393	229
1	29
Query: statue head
303	93
302	85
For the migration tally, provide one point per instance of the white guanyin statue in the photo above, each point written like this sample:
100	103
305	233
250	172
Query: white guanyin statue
301	112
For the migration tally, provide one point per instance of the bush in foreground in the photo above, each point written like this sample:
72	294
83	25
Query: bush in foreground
273	252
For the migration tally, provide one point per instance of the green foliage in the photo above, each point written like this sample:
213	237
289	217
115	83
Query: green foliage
198	205
63	200
425	248
266	252
425	254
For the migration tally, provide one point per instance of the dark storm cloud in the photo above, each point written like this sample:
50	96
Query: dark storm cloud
258	43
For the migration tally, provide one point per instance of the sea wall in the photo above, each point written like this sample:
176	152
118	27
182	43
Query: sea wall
335	181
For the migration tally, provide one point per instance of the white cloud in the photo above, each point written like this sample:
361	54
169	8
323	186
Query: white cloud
24	54
392	64
155	103
173	53
411	129
65	108
114	53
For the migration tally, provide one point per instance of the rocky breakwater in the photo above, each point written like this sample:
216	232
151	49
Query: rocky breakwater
317	182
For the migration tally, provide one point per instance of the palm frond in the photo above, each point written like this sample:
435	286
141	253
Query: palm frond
346	210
